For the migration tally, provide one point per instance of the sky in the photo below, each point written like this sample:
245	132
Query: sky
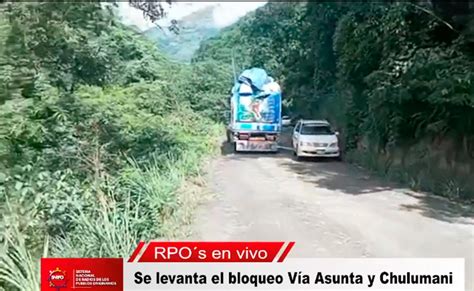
225	13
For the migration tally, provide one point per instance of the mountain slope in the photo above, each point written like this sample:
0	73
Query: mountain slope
193	29
396	81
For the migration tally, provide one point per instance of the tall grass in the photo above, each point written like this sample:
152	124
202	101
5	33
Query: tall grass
18	268
146	198
106	176
105	232
140	201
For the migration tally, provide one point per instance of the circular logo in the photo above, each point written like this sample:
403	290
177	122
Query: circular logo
57	279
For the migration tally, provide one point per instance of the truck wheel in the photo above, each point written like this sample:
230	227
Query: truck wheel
227	136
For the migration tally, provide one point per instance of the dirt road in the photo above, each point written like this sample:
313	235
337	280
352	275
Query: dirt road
331	209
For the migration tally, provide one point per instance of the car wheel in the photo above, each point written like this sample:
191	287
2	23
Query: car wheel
298	158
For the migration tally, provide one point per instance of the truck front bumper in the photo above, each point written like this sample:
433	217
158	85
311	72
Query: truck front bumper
256	146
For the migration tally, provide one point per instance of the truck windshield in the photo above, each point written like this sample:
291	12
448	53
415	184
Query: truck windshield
315	130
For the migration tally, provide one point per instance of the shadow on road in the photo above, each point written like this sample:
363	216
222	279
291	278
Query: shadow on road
440	208
352	180
337	176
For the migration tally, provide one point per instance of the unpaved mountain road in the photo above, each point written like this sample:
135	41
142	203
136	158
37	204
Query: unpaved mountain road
331	209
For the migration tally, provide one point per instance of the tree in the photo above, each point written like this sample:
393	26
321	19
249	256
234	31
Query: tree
153	10
389	75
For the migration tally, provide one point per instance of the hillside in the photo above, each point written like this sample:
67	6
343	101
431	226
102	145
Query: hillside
194	28
402	95
100	133
97	128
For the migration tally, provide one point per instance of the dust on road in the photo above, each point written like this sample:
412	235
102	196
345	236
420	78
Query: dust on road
331	209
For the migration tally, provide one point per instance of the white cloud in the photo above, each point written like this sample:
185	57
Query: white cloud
132	16
225	13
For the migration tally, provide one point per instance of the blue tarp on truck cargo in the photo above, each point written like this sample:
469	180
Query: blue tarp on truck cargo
256	76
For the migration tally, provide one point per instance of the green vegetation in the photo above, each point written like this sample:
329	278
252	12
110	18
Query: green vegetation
395	78
98	130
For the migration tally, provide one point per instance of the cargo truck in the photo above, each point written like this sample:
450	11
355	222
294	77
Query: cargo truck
255	112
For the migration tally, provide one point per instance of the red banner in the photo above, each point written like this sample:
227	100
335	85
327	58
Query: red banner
61	274
227	252
107	274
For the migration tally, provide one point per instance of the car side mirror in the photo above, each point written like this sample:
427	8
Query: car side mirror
336	132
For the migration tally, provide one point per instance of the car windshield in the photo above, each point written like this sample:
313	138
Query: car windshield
315	130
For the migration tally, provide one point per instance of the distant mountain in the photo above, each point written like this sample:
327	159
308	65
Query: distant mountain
193	29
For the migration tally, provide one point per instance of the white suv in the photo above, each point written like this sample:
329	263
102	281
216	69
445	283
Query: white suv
315	138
